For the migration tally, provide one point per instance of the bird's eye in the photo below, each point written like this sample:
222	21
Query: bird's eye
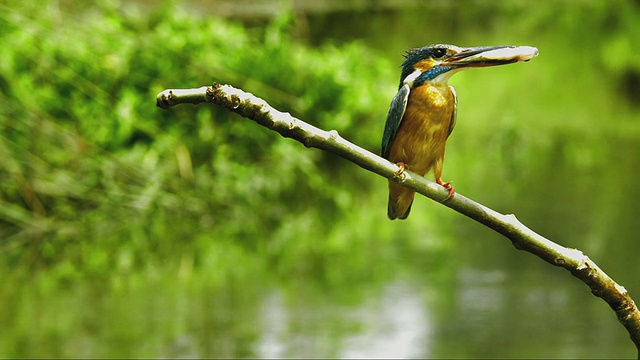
438	53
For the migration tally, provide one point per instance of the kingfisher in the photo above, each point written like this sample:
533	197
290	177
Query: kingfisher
423	113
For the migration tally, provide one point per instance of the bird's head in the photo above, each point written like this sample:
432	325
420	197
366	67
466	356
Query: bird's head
436	63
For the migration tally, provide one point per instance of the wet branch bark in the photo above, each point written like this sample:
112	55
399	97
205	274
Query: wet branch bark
523	238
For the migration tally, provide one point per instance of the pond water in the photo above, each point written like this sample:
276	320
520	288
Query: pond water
497	302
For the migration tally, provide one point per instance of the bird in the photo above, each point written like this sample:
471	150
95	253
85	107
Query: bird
423	113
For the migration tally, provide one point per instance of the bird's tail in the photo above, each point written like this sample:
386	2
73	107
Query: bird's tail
400	201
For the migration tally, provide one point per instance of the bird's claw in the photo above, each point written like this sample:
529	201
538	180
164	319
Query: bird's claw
400	173
447	186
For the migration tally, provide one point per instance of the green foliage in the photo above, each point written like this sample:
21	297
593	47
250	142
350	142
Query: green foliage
98	180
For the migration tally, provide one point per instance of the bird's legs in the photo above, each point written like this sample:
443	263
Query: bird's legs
447	186
402	167
400	171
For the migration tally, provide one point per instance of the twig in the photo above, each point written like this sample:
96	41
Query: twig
523	238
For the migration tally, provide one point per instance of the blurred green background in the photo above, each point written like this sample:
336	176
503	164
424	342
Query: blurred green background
129	231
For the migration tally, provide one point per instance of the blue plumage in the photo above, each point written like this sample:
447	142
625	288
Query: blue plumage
399	102
394	117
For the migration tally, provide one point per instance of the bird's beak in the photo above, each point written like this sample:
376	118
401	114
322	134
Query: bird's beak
490	56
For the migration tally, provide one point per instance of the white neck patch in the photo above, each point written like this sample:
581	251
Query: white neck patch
412	77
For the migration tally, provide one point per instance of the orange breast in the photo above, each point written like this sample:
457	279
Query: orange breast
422	134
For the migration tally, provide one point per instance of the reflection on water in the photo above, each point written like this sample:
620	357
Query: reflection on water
483	313
480	313
481	292
273	326
394	324
398	325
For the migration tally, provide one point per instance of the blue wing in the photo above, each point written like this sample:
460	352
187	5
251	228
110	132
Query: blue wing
394	117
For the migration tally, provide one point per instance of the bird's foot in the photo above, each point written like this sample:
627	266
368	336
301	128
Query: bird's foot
447	186
400	173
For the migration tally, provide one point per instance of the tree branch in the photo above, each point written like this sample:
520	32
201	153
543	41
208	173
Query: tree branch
523	238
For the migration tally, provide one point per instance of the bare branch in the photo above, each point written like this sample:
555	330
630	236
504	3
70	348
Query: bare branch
523	238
